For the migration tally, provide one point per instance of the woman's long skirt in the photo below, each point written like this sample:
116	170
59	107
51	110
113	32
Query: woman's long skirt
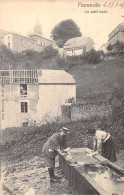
108	150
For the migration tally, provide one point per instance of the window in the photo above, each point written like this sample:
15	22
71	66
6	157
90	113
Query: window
8	38
2	105
8	44
22	43
2	116
84	49
24	107
2	92
38	41
23	89
25	124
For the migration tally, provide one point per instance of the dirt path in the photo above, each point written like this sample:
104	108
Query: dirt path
20	177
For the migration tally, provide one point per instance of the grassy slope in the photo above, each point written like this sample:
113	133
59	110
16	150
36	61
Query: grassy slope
99	79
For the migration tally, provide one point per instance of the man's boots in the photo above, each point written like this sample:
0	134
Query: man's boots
51	173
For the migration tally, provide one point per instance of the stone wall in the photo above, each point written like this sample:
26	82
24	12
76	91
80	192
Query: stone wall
85	111
10	114
40	104
20	43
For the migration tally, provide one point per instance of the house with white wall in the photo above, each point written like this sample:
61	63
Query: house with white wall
28	96
18	43
117	34
78	46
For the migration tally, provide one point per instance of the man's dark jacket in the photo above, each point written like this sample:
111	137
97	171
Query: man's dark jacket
55	142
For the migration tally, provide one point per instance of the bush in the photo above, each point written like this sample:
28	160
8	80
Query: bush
73	60
68	62
6	54
61	62
109	47
92	57
49	52
118	46
115	53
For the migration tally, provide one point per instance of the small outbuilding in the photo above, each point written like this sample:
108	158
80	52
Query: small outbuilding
78	46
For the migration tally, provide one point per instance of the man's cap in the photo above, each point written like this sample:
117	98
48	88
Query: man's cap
64	129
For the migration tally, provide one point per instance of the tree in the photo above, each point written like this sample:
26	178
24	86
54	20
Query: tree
109	47
119	45
92	57
65	30
49	52
6	53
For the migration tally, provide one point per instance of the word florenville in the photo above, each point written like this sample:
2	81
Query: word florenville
80	4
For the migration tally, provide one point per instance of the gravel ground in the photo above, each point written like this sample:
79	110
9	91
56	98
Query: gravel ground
19	178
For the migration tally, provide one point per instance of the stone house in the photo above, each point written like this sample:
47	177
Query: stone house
78	46
29	96
117	34
19	43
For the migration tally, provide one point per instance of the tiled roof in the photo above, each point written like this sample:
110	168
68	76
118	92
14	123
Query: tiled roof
54	77
119	27
37	35
76	42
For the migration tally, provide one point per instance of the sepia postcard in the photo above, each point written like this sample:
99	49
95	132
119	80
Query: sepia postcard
61	74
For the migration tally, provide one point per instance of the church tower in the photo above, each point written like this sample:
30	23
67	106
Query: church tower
37	28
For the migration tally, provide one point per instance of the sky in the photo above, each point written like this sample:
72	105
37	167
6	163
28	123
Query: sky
20	16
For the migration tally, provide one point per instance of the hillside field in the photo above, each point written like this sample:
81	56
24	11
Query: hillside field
98	81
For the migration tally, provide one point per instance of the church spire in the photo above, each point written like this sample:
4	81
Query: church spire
37	28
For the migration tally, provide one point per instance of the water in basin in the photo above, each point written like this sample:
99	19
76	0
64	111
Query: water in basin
110	181
82	156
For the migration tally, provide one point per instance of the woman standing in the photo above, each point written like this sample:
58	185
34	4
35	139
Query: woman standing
103	143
